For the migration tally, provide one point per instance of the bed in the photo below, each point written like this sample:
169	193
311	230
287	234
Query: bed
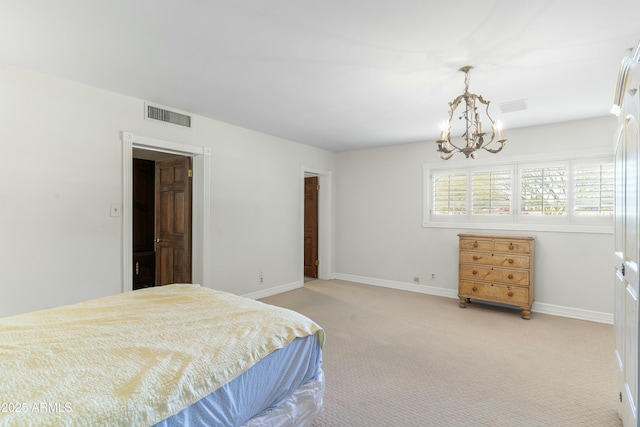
167	356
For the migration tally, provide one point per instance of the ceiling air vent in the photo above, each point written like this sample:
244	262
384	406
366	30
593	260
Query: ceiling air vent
513	106
157	112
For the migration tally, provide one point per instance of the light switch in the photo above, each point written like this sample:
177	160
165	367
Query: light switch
115	209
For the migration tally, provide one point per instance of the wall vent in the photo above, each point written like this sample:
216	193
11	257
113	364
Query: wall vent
163	114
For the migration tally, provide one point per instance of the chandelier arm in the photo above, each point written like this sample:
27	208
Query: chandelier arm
494	150
487	110
484	101
447	157
450	148
451	144
453	105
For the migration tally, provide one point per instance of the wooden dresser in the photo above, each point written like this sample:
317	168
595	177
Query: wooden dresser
497	269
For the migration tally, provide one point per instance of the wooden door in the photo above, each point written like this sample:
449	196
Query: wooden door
311	226
626	247
173	221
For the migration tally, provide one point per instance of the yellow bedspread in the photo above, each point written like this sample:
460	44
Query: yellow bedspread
135	358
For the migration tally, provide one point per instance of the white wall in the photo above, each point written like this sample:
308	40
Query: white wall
62	167
380	238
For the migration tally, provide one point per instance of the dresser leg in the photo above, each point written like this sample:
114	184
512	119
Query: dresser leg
464	301
526	313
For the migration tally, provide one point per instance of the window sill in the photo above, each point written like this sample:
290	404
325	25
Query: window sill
554	228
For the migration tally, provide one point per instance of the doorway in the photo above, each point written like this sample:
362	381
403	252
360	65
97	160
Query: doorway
201	266
324	215
161	229
311	188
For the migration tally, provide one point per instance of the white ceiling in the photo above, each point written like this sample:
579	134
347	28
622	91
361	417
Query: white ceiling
337	74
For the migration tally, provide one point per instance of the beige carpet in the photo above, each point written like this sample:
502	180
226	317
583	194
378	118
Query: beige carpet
396	358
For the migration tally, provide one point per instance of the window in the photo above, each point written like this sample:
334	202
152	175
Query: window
594	189
485	193
573	192
543	190
450	194
491	192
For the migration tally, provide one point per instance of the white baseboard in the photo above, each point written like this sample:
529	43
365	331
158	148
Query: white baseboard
573	313
275	290
430	290
555	310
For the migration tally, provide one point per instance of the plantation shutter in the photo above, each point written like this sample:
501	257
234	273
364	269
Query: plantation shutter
449	194
543	191
593	189
491	192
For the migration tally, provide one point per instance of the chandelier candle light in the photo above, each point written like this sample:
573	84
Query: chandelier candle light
473	137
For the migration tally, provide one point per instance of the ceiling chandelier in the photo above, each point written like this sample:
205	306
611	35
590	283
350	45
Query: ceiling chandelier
473	136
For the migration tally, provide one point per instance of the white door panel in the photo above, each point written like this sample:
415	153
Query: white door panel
626	244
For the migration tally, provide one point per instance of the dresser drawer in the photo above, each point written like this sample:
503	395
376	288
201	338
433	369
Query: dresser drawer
490	274
488	258
494	292
511	246
476	244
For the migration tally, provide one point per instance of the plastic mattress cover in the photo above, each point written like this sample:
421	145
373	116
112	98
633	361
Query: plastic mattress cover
288	384
300	409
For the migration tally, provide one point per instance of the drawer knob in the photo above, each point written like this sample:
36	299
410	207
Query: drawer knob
475	244
475	257
474	272
510	276
510	245
474	289
510	293
510	261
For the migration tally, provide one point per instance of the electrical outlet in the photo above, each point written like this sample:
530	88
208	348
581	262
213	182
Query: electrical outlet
261	276
433	276
416	279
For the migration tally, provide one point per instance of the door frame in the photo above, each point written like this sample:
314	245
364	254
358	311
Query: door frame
201	207
325	222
